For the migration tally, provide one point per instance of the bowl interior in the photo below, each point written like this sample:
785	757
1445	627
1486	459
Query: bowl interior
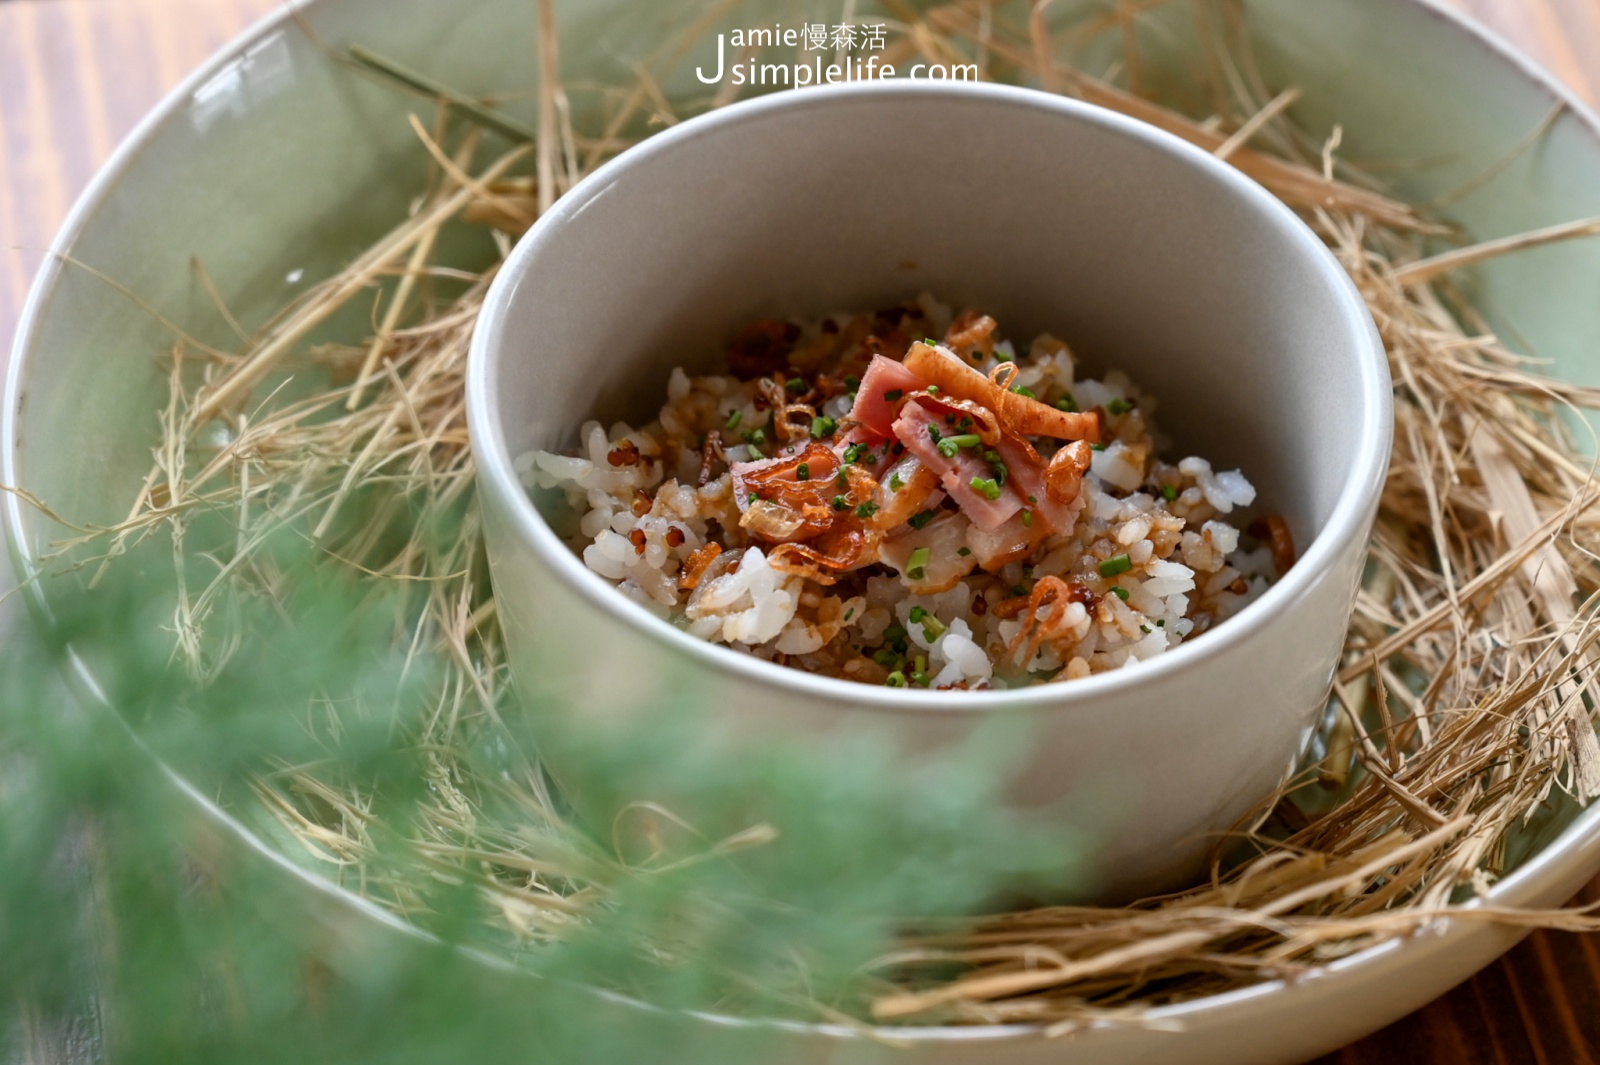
1142	253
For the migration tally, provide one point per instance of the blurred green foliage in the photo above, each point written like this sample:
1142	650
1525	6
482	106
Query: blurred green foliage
121	902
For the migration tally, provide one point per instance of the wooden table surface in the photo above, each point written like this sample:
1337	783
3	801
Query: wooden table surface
76	75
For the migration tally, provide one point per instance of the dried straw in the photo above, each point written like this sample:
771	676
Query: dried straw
1466	699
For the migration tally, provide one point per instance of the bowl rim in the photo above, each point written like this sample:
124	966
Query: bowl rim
1348	521
1574	851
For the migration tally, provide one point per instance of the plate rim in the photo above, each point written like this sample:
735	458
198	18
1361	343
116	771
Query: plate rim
1575	850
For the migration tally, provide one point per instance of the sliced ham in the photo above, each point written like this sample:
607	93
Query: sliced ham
876	400
956	473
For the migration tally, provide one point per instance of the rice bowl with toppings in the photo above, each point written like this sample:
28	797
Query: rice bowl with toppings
905	498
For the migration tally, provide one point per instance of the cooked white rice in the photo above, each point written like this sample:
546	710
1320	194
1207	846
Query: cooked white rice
1154	555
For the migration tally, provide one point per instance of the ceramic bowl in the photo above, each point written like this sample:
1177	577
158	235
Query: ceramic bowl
319	155
1142	252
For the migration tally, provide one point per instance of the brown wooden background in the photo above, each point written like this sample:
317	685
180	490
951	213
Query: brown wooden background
76	75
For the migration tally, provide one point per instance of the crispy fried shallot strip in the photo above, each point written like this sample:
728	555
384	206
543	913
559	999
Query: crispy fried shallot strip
696	565
1063	478
1050	590
1024	416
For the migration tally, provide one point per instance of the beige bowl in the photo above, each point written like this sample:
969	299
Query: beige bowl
1141	251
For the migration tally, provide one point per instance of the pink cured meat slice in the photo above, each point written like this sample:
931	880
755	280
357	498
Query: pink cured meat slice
955	473
873	407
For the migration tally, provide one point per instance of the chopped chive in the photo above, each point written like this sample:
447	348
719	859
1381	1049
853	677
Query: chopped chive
1145	629
986	485
756	437
895	637
1120	592
1118	406
934	434
917	614
1018	589
796	385
854	452
1027	517
893	394
1034	500
917	563
932	628
896	679
949	419
932	343
843	479
841	503
1001	356
851	382
886	657
1067	403
922	663
933	390
895	483
734	418
822	426
964	552
1113	566
1024	391
848	614
947	448
921	680
802	472
965	440
867	509
1097	447
1161	624
752	498
921	518
1169	492
1000	473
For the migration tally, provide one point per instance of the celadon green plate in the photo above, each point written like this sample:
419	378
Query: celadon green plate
274	165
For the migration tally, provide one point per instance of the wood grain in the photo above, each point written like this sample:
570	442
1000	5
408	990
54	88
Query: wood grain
76	76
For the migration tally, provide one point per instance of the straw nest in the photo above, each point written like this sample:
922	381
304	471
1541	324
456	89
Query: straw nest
1464	706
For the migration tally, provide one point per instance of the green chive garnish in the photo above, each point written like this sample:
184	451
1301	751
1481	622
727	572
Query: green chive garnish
752	498
796	385
802	472
841	503
1118	406
964	552
895	483
918	520
896	679
1169	492
1027	517
734	418
1024	391
867	509
933	390
822	426
893	394
756	437
1067	403
1113	566
1097	447
917	563
854	452
1120	592
987	486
